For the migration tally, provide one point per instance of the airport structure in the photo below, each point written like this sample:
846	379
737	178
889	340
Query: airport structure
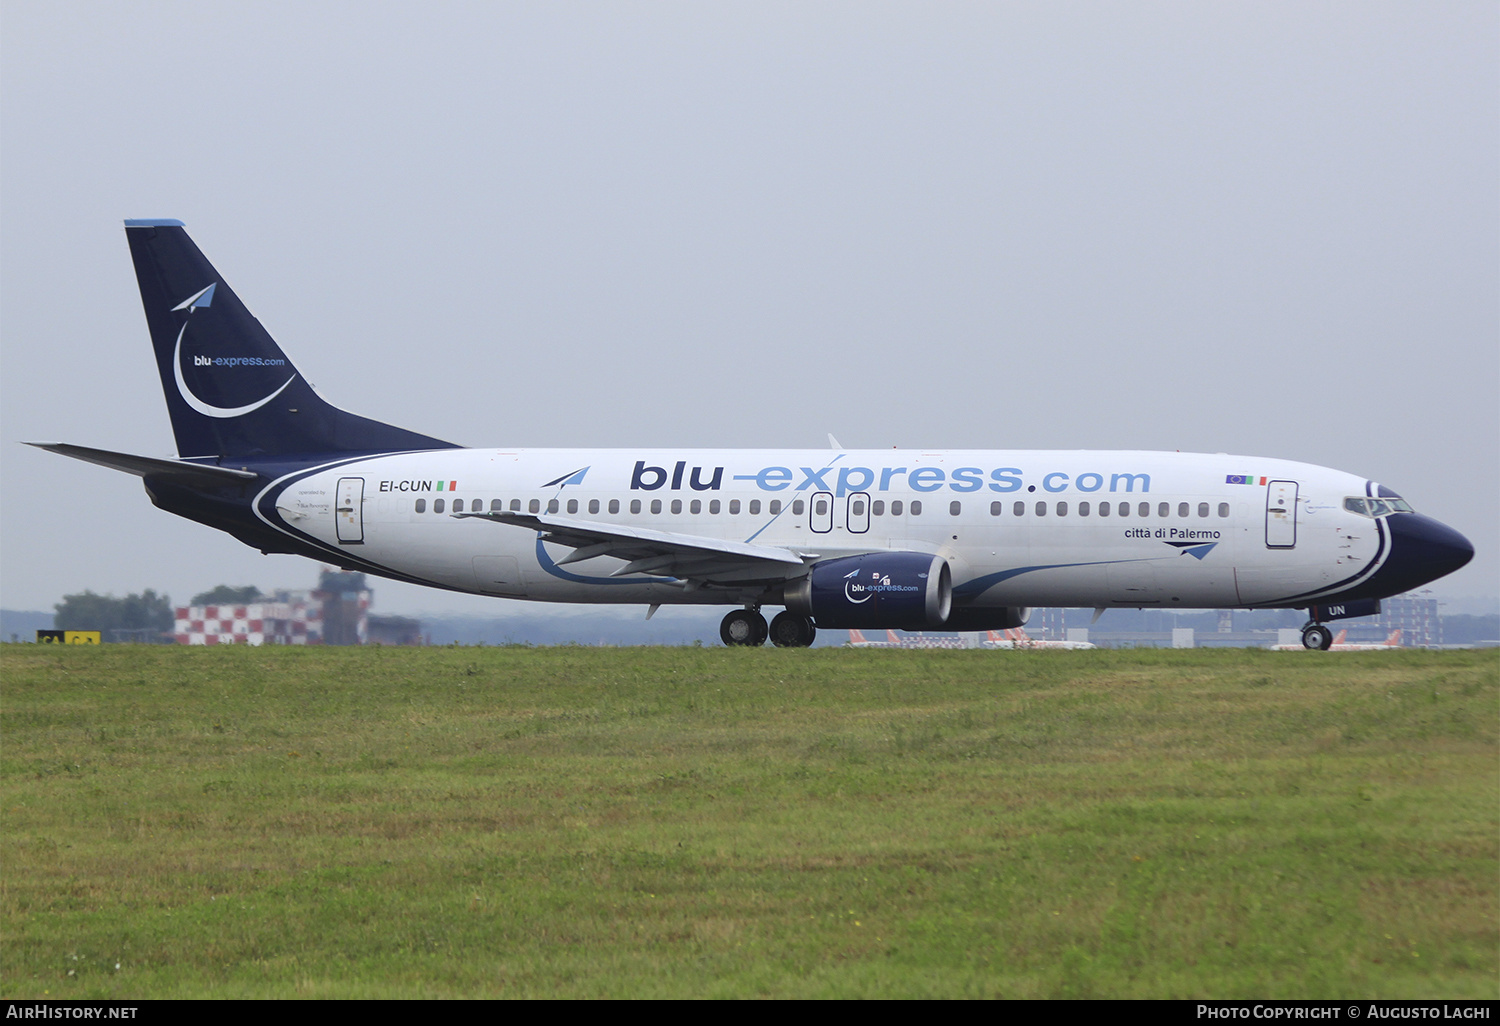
296	619
1411	619
1415	616
336	613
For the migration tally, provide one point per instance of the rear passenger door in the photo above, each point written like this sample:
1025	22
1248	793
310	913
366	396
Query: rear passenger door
349	514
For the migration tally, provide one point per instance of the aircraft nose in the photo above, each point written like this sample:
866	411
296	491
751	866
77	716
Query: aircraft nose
1422	550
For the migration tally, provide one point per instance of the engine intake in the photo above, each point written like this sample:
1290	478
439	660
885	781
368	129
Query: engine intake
911	590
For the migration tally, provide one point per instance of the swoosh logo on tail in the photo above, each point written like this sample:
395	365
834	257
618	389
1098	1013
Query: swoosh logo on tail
193	302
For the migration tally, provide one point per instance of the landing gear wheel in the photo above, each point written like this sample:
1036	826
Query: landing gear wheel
1316	637
789	630
743	627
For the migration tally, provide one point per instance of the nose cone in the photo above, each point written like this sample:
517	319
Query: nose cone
1422	550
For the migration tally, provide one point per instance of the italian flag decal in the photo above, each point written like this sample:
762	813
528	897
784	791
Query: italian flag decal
452	486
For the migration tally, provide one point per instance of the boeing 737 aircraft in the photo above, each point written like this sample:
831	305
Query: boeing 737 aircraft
929	540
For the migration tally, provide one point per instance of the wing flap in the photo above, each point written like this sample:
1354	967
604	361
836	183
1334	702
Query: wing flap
686	556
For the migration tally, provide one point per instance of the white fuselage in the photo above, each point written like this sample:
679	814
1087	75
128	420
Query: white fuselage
1018	528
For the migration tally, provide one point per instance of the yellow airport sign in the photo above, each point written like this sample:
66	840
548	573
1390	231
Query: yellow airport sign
67	637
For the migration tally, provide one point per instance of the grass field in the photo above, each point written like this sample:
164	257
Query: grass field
580	822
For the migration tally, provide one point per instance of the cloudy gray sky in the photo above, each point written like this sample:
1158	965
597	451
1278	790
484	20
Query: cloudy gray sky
1263	228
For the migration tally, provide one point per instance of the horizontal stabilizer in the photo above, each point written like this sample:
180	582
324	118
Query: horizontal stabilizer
144	466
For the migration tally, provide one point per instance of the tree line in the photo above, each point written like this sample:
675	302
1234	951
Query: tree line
146	616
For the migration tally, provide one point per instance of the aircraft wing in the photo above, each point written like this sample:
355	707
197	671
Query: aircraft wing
687	557
144	466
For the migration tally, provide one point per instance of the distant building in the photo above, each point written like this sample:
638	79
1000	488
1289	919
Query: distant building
337	613
345	603
295	620
394	630
1415	617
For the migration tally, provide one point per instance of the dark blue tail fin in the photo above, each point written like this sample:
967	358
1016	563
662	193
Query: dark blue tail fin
230	389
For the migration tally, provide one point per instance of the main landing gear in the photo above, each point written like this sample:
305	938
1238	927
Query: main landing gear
748	627
743	627
792	630
1317	637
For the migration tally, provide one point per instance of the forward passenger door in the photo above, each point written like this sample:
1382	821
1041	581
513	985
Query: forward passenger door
1281	515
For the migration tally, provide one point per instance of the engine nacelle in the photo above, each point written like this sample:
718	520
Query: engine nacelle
912	590
995	618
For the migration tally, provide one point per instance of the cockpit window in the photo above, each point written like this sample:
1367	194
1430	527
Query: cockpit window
1367	507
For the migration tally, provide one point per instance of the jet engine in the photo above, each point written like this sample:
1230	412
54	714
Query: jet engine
911	590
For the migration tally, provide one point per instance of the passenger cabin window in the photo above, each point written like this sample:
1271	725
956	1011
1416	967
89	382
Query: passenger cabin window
996	507
796	506
1203	509
734	507
458	505
572	505
916	507
655	505
1041	509
1164	509
1223	509
552	505
1145	509
955	508
775	507
1083	509
713	507
896	507
593	505
437	505
695	507
497	505
821	507
676	505
1020	509
858	508
635	505
1062	509
1104	509
515	505
754	507
1182	509
614	505
1124	509
535	505
421	505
